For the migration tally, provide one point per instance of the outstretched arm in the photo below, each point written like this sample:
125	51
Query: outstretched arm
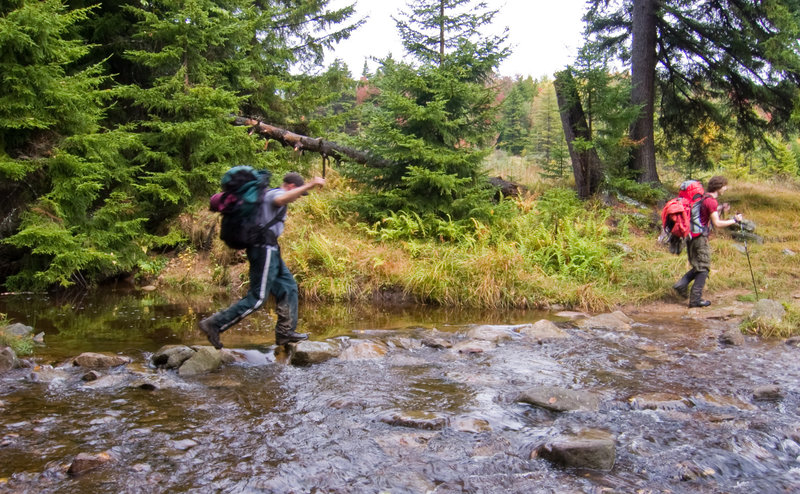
720	223
294	194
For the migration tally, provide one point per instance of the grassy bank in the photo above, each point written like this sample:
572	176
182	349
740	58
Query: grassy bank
550	250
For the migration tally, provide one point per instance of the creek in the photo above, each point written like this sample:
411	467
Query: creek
683	410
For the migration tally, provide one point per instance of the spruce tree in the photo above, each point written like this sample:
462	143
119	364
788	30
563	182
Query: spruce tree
515	117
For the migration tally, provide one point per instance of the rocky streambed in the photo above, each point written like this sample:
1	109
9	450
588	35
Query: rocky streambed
572	403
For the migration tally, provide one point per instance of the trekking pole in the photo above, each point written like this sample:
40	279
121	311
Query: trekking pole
747	253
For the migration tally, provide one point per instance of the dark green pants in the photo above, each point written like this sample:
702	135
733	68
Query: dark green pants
700	259
268	275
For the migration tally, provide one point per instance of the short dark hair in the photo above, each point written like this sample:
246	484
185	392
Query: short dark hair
293	178
716	182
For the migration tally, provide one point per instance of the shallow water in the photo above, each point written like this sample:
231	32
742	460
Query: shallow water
266	426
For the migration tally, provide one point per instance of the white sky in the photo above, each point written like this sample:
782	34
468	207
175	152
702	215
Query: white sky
544	34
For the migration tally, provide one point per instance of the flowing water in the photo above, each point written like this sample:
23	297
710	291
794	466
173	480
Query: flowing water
262	425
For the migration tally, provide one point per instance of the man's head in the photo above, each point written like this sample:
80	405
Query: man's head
293	178
716	183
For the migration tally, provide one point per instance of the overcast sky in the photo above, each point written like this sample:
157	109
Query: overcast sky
544	34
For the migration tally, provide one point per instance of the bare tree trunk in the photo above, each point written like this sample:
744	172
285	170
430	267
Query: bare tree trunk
643	73
586	165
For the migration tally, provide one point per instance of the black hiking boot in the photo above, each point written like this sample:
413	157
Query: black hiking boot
293	337
681	290
699	303
211	332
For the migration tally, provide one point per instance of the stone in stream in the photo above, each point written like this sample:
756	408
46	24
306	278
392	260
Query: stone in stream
473	346
312	352
92	360
494	334
615	321
542	331
415	419
436	339
658	401
592	449
171	356
470	424
732	336
85	462
8	359
364	350
559	399
204	360
769	392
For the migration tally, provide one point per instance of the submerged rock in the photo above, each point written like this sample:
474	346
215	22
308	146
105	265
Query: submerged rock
594	449
312	352
416	419
494	334
559	399
543	331
85	462
615	321
470	424
658	401
92	360
768	393
364	350
473	346
689	470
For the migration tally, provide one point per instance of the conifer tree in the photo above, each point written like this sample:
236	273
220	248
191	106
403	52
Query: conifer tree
515	117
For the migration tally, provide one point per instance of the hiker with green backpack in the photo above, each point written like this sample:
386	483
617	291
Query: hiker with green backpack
253	219
705	214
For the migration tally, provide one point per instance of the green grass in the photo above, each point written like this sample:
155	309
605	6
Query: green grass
22	345
771	328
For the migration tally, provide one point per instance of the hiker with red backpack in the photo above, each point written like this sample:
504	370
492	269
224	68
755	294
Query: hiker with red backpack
704	214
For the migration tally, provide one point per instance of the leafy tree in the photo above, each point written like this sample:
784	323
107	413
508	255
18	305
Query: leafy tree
729	62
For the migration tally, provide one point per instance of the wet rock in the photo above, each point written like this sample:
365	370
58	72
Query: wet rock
105	382
92	375
364	350
434	341
559	399
204	360
719	401
494	334
767	310
470	424
231	357
39	338
405	343
794	341
86	462
47	374
615	321
596	450
416	419
144	385
732	336
17	329
543	331
312	352
171	356
91	360
184	444
689	470
403	443
658	401
473	346
768	393
8	359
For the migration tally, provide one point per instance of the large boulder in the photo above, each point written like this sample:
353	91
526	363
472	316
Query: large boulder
559	399
91	360
312	352
17	329
204	360
767	310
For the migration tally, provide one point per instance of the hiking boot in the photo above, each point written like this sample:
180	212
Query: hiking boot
681	290
293	337
211	332
700	303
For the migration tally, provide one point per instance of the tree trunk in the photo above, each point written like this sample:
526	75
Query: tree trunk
643	73
586	165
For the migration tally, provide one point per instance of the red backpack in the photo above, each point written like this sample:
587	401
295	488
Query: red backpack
676	216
